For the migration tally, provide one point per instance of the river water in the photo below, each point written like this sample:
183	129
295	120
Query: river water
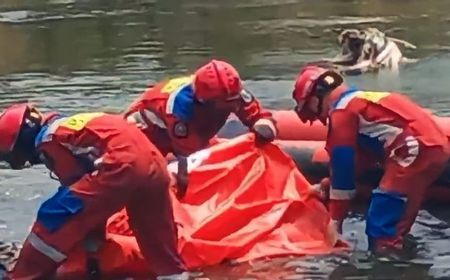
86	55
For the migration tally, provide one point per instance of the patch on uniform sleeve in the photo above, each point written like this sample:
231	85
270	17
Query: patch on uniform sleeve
372	96
246	96
78	122
180	130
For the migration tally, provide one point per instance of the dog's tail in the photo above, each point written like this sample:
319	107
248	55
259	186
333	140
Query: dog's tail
403	42
406	60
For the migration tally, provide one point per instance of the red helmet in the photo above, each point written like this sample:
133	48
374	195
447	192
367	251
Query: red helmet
10	123
217	80
314	80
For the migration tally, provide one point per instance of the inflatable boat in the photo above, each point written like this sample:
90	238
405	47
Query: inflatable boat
305	143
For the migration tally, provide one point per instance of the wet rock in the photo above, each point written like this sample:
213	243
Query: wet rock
301	264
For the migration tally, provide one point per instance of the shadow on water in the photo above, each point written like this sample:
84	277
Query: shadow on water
77	55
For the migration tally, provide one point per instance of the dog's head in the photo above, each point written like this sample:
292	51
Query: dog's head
359	45
351	42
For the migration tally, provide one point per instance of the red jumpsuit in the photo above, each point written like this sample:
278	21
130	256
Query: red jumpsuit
175	122
408	143
103	164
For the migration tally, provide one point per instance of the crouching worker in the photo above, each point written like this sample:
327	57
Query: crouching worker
408	143
103	164
182	115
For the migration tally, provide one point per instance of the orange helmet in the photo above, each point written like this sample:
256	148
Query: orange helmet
10	123
217	80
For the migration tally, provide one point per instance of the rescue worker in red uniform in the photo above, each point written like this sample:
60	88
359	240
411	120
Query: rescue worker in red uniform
103	164
386	126
182	115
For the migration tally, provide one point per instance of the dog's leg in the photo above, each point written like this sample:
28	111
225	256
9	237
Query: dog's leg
363	66
339	59
395	67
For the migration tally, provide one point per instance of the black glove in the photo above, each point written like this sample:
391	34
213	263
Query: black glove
182	177
265	131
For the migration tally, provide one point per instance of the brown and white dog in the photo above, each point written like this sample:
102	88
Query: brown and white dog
367	50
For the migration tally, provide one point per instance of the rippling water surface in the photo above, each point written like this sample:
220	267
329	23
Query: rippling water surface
78	55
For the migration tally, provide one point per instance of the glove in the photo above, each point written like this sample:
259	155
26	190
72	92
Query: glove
265	131
321	190
337	224
182	177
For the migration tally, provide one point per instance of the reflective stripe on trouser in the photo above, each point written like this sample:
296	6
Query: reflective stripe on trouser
411	183
148	203
45	248
43	251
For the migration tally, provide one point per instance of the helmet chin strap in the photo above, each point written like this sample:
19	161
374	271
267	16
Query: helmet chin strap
27	136
320	105
324	89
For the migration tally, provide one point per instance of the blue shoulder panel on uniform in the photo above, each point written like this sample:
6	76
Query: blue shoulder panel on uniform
343	167
344	95
57	210
183	107
41	135
350	90
46	130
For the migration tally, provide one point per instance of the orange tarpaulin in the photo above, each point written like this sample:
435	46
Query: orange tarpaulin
242	203
245	203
